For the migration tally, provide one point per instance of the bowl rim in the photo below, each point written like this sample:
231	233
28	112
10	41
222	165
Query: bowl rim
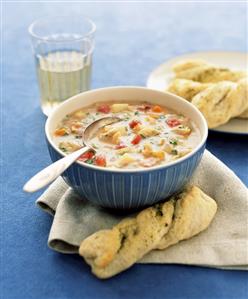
125	170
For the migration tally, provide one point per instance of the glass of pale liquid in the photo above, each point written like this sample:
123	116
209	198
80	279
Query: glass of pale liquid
63	48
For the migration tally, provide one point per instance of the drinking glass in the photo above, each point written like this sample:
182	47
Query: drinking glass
63	48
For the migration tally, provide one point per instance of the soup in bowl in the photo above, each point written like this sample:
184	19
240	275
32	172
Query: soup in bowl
149	154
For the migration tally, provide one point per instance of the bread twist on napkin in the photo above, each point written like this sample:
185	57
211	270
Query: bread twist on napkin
111	251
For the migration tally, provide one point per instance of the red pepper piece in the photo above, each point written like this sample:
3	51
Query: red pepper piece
119	146
173	122
103	108
136	139
86	156
144	108
134	123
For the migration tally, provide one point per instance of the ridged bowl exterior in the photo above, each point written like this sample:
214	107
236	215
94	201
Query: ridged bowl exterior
125	190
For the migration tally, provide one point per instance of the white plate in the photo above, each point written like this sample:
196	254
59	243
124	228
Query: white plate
162	75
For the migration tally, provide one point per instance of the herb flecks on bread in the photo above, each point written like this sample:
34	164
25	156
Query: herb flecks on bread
112	251
109	252
194	211
204	72
219	93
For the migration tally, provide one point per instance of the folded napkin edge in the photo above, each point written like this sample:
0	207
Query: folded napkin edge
45	207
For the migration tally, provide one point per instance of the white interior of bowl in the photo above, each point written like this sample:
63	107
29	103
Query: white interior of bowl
127	93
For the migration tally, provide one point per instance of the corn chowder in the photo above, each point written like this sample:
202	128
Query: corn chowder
147	135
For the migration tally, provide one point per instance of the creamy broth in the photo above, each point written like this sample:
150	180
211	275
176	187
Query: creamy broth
147	135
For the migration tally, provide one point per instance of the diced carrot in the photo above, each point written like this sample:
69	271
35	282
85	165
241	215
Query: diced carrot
61	132
100	161
157	109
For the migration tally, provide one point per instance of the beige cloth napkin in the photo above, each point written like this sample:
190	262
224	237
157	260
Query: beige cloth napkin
223	245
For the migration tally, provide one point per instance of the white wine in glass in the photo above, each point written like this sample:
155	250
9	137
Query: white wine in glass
63	48
62	74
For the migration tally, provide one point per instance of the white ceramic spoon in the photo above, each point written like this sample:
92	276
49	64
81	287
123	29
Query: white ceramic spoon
50	173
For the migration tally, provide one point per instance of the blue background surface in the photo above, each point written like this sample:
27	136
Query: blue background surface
132	39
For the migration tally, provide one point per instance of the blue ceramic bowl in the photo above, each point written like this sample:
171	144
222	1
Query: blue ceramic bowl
134	188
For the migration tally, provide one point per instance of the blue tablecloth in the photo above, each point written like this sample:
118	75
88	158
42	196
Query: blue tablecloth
132	39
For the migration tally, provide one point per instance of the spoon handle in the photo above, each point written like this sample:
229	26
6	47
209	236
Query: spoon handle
50	173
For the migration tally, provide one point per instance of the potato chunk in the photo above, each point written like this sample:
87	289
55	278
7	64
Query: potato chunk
148	132
159	155
125	160
79	114
113	134
151	120
147	151
124	150
115	108
69	146
182	130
